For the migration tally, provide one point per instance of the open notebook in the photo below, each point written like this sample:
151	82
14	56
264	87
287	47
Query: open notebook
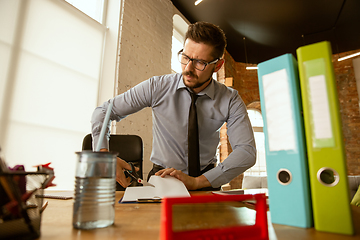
164	187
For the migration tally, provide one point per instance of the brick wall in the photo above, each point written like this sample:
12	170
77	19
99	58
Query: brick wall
145	51
349	109
246	82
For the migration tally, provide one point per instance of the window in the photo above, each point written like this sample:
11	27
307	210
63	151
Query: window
92	8
53	57
257	122
179	30
176	47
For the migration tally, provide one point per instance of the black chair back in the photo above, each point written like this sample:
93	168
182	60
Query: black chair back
128	147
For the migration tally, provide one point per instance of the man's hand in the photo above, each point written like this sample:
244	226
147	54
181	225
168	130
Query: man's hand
191	183
121	165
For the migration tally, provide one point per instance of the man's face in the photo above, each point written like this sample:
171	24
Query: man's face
195	79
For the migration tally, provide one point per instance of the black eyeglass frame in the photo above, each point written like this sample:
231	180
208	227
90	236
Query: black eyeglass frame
194	59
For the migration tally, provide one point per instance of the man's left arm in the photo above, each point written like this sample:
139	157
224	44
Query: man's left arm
241	137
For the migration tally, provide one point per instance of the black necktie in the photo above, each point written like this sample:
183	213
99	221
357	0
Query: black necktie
193	140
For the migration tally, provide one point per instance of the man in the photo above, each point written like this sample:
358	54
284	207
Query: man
170	97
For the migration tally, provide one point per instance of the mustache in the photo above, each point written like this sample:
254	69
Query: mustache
189	73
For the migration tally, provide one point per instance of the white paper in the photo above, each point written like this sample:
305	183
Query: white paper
279	117
320	108
164	187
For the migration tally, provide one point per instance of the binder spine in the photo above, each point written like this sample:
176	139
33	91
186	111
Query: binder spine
288	182
325	147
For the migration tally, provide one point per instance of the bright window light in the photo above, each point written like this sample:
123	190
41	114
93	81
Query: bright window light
251	68
197	2
350	56
92	8
176	47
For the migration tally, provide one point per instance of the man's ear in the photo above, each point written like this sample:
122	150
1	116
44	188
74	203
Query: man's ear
218	65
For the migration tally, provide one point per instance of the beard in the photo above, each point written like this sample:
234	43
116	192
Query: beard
197	84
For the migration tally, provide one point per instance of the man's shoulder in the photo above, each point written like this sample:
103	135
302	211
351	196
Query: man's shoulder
165	84
167	78
222	89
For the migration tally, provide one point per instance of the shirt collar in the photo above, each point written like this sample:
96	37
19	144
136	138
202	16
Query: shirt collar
209	90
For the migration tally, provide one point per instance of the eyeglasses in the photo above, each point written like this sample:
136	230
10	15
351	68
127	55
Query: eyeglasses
198	64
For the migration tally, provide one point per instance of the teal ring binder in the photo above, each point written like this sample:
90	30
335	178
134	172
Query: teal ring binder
286	162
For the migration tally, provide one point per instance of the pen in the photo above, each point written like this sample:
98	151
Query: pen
139	180
149	200
145	183
44	206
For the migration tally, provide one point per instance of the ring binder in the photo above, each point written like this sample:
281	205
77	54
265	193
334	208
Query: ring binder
326	154
287	170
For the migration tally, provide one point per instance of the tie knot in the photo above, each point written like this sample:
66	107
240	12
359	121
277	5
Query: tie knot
194	96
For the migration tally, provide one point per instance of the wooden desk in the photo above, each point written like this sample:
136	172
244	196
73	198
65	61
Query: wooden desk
142	221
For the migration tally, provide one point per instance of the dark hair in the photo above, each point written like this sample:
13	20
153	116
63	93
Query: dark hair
210	34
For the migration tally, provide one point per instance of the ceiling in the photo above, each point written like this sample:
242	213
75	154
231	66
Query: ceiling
258	30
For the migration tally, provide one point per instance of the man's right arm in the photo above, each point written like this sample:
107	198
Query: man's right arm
96	125
124	104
